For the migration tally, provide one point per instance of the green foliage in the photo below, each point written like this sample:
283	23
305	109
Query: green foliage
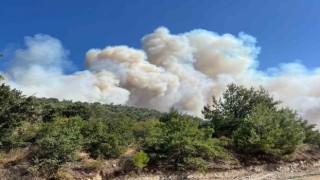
246	120
140	159
270	131
77	109
122	128
197	163
227	114
15	108
22	136
58	142
182	142
173	113
99	142
54	108
312	134
49	112
82	110
150	134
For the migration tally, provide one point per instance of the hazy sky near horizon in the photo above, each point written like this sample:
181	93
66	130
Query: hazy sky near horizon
286	30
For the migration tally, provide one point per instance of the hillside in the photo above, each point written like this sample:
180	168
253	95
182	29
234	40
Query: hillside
51	139
95	110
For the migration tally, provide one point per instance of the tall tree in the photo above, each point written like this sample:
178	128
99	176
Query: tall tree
227	113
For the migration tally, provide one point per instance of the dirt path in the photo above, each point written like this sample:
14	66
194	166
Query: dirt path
313	174
295	171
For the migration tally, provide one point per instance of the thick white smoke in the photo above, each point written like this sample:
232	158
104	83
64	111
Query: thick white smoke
181	71
38	70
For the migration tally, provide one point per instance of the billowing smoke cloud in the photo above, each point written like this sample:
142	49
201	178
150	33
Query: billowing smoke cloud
181	71
38	70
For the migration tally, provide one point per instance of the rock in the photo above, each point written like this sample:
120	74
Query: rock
97	177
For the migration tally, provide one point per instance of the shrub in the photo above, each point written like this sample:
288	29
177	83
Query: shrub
122	128
49	111
22	136
312	134
140	159
58	142
15	108
196	163
150	134
76	109
183	144
99	142
269	131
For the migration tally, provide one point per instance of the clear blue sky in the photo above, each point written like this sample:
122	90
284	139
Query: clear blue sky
287	30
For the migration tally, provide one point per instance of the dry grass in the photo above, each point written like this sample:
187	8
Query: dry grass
92	165
306	152
130	152
63	174
82	155
88	164
15	155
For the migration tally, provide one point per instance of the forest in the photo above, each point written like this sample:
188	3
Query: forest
42	136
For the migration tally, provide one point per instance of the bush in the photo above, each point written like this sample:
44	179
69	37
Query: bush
99	142
150	134
49	111
15	108
196	163
58	142
140	159
22	136
122	128
183	144
312	134
269	131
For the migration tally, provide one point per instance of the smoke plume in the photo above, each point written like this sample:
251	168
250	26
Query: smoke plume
181	71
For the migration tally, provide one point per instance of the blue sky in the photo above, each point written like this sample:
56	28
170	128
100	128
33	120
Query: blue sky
286	30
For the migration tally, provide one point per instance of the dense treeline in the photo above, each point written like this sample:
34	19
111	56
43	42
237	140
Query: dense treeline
243	121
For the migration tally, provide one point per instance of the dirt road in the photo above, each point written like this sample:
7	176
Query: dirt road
296	170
